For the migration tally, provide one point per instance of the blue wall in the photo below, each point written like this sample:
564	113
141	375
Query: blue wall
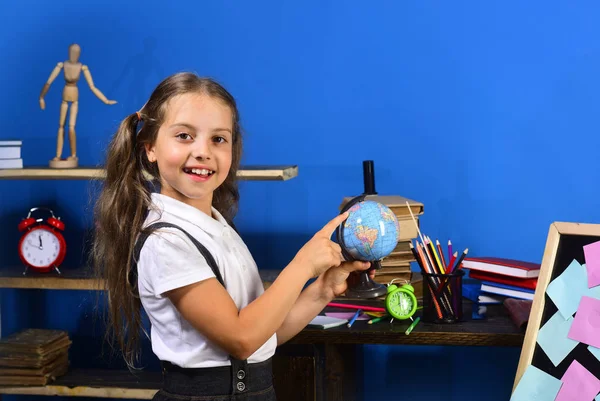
487	113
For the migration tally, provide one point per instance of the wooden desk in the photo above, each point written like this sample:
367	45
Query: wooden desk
314	365
321	364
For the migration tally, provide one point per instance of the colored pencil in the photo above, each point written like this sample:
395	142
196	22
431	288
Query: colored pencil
439	249
417	258
377	319
435	256
375	314
433	285
444	299
415	221
452	260
430	259
351	322
351	306
412	326
449	250
460	260
421	263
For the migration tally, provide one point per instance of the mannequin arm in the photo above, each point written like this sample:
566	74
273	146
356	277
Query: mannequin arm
90	81
51	79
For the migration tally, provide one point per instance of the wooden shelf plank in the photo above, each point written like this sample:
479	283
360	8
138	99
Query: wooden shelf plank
251	173
96	383
71	279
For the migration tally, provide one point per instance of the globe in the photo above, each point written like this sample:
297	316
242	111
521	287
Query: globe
371	231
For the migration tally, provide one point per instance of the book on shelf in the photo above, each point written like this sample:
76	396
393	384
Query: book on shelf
529	283
507	290
33	357
11	142
487	299
10	152
398	259
395	202
386	278
503	266
11	163
402	246
472	292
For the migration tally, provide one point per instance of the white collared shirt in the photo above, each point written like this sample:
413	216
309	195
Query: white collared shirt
169	260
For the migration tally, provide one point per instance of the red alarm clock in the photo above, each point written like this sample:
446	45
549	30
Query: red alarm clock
42	246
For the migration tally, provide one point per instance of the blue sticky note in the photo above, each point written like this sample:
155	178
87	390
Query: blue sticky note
567	289
597	398
537	385
593	292
553	338
595	351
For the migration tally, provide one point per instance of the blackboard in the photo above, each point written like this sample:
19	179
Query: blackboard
564	245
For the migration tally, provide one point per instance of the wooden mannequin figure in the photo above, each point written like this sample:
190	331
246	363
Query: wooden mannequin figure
72	69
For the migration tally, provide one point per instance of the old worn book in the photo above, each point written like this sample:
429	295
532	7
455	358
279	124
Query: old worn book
33	357
34	341
395	202
398	259
15	359
30	380
62	360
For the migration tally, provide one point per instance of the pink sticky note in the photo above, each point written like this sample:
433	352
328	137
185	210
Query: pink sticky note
586	325
592	263
578	384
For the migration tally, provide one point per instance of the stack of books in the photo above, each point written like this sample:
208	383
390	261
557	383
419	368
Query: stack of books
33	357
10	154
503	278
397	264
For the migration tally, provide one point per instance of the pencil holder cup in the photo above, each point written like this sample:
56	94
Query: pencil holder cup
442	297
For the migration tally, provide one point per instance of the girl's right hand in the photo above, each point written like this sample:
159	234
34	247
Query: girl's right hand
321	253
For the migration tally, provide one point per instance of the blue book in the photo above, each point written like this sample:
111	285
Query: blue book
507	290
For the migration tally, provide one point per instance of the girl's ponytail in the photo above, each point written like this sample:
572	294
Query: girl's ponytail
120	212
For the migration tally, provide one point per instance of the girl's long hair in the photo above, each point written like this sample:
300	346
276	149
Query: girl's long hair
124	199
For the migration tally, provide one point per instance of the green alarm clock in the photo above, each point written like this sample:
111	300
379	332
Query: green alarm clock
401	302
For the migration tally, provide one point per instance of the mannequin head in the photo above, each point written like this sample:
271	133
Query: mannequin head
74	52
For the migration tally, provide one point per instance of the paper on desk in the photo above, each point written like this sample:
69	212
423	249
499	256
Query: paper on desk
592	263
595	351
535	384
553	338
567	289
578	384
586	325
347	315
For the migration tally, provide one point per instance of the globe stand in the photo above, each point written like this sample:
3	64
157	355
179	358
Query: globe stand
366	287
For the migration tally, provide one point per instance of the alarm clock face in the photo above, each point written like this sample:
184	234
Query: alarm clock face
401	304
40	247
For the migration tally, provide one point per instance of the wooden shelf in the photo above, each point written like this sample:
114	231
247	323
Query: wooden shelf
250	173
96	383
72	279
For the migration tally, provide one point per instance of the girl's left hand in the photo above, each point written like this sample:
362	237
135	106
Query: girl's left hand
335	280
